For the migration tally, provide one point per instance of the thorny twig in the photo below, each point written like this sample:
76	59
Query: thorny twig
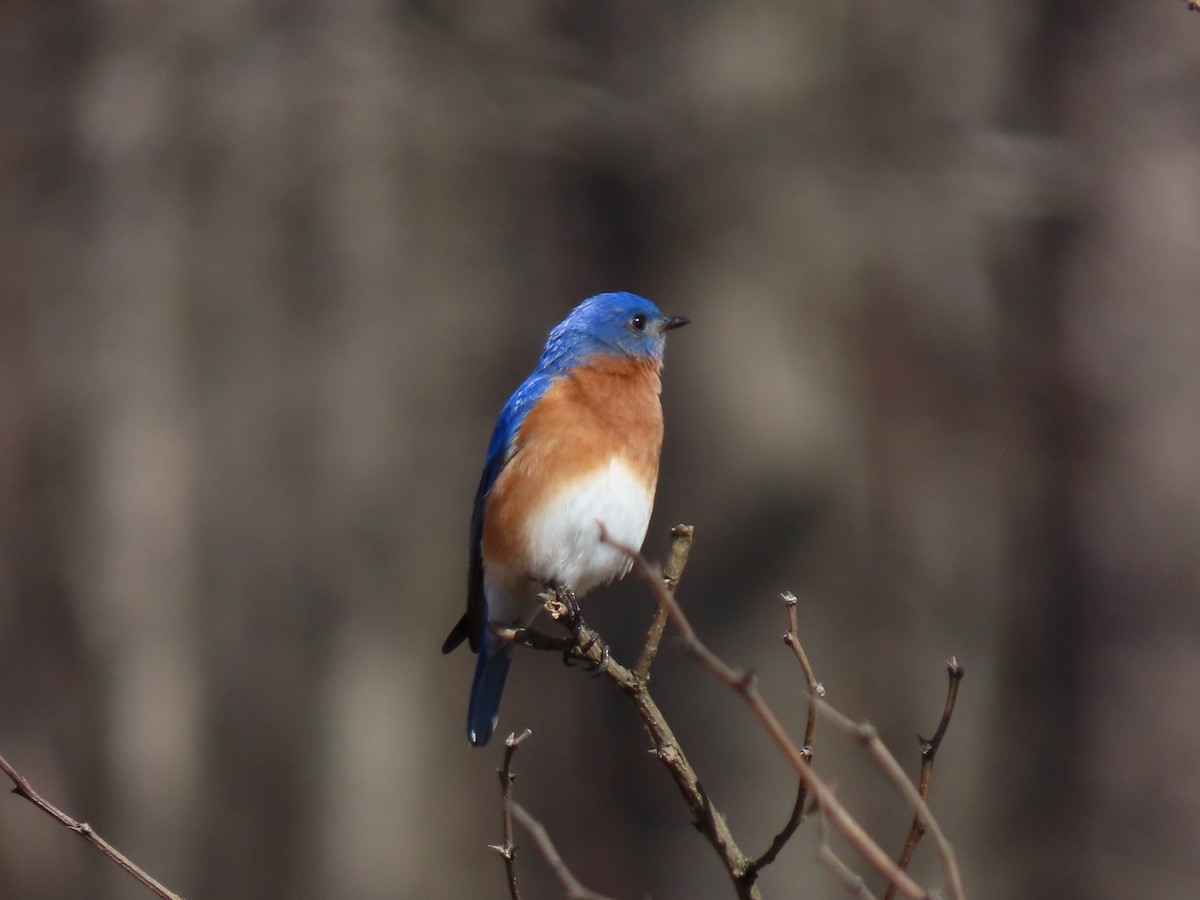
508	850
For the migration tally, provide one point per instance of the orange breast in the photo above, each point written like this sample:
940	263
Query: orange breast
606	409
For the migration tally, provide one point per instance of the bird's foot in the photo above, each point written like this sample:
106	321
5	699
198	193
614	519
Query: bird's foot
565	608
562	605
571	614
571	655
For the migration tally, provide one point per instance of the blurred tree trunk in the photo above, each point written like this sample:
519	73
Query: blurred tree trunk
1106	661
51	718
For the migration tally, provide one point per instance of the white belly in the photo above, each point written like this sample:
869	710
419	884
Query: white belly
564	539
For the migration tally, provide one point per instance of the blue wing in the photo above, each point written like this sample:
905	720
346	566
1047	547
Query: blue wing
500	450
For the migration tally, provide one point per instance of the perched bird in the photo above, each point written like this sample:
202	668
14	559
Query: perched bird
575	449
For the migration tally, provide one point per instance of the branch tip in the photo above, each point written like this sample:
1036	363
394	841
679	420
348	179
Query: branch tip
514	740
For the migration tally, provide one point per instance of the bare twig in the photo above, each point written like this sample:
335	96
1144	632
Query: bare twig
866	734
681	544
744	684
792	638
531	637
24	789
575	890
929	749
508	850
851	880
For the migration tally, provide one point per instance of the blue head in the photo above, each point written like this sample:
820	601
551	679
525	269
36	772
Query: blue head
616	324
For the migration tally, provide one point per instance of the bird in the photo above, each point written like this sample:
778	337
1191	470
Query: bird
574	454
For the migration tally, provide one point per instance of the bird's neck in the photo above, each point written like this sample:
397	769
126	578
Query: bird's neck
632	376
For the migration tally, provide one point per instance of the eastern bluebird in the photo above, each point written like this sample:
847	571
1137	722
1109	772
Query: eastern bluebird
575	448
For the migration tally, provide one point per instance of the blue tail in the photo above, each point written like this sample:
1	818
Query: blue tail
490	672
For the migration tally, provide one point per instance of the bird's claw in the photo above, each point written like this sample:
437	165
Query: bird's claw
601	667
573	617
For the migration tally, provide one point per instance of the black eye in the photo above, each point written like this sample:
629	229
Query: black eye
638	322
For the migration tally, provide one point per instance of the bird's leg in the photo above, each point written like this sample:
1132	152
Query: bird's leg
573	617
564	607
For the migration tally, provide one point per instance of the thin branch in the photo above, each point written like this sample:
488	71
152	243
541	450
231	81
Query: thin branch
508	850
575	890
681	545
537	640
24	789
929	749
792	638
851	880
744	684
866	734
587	648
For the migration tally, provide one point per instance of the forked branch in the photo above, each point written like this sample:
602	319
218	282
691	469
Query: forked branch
792	638
587	647
745	685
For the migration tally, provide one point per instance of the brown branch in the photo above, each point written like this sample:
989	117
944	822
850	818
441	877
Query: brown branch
575	890
24	789
587	647
929	749
792	638
866	734
851	880
537	640
681	544
709	820
508	850
744	684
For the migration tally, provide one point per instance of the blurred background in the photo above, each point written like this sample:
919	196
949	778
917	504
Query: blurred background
269	269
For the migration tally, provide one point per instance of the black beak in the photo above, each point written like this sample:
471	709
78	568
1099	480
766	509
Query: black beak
674	322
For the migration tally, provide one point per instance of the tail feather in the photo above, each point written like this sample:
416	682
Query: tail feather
460	633
491	670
